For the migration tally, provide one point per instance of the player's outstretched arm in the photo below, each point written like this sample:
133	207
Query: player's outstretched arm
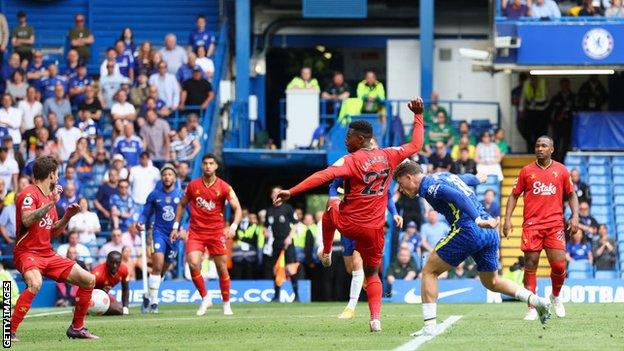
34	216
179	213
337	170
59	226
417	106
473	180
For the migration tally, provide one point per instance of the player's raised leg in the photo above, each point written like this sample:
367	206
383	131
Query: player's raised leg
224	282
194	259
33	280
85	282
556	258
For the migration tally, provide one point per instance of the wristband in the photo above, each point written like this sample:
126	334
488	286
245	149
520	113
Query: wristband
176	225
233	227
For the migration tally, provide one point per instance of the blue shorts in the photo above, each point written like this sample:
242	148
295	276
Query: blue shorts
469	240
348	246
162	244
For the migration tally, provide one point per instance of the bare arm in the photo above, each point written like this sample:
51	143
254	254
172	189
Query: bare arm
34	216
574	207
59	226
125	293
511	206
238	213
179	213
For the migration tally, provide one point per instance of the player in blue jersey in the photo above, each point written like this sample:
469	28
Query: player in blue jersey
161	203
472	234
352	259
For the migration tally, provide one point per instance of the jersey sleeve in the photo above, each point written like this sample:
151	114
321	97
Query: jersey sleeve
470	179
568	185
28	202
453	196
337	170
396	155
391	205
518	188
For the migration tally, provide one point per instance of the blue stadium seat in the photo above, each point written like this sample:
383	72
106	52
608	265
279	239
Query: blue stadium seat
599	160
617	160
621	257
602	180
600	190
598	170
600	210
579	265
602	218
617	190
618	180
605	275
618	200
579	275
618	169
571	160
619	210
601	200
620	246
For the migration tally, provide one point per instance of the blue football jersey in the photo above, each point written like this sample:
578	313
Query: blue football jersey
162	205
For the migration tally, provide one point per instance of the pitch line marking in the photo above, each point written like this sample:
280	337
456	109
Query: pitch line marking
48	313
420	340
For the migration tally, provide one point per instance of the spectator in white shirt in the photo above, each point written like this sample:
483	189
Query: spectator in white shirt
122	109
9	170
194	128
115	244
488	157
168	86
143	179
11	118
67	137
85	223
205	62
132	239
173	54
30	108
111	54
110	85
84	254
545	9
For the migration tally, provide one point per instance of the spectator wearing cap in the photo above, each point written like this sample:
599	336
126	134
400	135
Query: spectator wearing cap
173	54
23	38
196	91
49	83
118	163
139	92
155	135
122	109
124	61
488	157
129	145
11	118
73	61
78	85
201	37
110	85
30	108
91	104
58	104
105	191
67	137
185	72
9	170
81	38
143	179
168	86
36	70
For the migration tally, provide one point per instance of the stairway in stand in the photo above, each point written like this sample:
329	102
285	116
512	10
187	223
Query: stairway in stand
510	247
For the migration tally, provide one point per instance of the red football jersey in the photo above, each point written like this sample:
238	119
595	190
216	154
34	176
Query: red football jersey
543	190
104	281
207	204
36	237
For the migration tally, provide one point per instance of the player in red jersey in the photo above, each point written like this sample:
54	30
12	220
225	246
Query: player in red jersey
109	274
36	222
206	197
362	213
544	183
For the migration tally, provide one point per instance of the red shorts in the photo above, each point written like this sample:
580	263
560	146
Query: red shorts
546	238
214	243
50	264
369	242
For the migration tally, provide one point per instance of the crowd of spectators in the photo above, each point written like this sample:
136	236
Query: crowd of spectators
549	9
111	132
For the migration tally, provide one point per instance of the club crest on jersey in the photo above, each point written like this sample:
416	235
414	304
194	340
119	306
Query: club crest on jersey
207	205
555	174
540	188
176	200
168	199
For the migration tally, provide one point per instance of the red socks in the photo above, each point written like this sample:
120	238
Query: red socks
224	285
373	292
530	279
329	228
557	276
198	280
83	298
21	308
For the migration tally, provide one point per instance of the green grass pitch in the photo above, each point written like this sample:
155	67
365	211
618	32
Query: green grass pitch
315	327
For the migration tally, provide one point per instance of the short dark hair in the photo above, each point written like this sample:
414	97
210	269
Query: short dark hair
21	14
407	168
362	127
552	142
113	255
209	156
43	166
200	16
124	181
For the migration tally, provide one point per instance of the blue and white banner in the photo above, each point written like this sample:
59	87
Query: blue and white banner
183	291
471	291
